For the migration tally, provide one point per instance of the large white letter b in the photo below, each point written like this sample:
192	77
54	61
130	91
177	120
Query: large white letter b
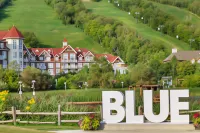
108	106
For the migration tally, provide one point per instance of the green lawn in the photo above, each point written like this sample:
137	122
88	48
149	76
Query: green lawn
36	16
106	9
180	13
13	129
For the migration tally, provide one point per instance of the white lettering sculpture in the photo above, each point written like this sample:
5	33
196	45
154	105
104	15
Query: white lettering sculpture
167	104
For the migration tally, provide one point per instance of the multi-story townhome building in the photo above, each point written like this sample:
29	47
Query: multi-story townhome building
54	60
11	47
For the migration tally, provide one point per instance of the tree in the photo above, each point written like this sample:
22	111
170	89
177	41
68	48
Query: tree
43	80
31	40
60	84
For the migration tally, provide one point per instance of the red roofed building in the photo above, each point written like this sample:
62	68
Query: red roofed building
54	60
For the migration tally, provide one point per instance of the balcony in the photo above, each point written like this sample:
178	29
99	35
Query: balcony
69	67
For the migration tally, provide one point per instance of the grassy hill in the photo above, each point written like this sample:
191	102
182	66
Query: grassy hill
106	9
180	13
36	16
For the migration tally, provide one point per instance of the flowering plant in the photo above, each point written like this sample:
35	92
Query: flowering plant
31	102
90	122
3	96
196	120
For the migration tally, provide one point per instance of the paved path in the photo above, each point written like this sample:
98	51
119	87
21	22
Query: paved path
134	131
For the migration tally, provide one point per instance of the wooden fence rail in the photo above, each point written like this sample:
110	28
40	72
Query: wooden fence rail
60	113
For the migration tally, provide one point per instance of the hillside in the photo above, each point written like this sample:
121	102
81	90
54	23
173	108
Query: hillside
106	9
180	13
37	17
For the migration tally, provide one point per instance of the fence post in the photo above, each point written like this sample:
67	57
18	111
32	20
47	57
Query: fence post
140	110
14	114
59	115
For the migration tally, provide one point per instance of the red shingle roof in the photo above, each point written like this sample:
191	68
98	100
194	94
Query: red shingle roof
109	57
2	34
13	33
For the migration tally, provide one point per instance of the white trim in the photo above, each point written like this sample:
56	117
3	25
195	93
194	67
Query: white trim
56	55
43	52
81	55
88	52
117	58
66	48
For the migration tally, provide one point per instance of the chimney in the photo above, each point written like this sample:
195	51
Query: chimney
64	42
174	50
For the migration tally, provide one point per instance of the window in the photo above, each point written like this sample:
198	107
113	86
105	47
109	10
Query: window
20	44
57	71
41	58
2	45
65	56
50	71
80	58
20	55
56	58
32	64
72	56
50	65
14	54
48	58
21	64
14	44
57	65
4	63
4	54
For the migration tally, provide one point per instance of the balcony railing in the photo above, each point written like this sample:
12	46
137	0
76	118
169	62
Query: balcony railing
65	60
42	67
69	67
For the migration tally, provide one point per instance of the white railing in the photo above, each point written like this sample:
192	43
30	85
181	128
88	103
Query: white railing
64	60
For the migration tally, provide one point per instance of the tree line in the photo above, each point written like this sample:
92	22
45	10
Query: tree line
191	5
147	13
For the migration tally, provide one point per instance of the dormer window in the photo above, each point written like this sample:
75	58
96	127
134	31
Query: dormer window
2	45
49	50
56	58
36	50
41	58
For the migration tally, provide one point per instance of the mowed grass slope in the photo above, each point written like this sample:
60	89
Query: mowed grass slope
37	17
180	13
106	9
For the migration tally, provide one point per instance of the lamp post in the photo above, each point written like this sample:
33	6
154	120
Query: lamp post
160	28
129	13
122	85
33	86
86	85
177	36
65	85
137	13
20	89
143	19
56	81
191	41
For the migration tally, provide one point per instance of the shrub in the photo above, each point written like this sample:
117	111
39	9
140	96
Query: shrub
90	122
196	120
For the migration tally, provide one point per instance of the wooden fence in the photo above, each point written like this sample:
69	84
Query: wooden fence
59	113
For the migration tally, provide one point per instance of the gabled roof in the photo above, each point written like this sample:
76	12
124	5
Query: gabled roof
110	58
13	33
184	56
